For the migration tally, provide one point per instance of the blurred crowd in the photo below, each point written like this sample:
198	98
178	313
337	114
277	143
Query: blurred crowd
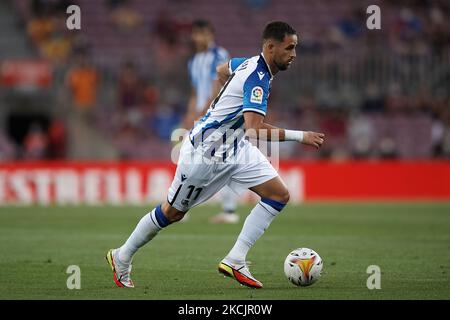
136	107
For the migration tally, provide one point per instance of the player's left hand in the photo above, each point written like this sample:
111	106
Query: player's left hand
314	139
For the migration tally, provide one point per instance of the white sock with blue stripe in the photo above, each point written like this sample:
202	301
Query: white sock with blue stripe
146	229
255	225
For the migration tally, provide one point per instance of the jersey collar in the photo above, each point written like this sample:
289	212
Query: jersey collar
266	65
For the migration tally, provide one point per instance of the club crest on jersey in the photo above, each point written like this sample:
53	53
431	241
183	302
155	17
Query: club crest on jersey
257	95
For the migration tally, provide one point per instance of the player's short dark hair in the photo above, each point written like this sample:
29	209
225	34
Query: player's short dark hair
202	24
277	30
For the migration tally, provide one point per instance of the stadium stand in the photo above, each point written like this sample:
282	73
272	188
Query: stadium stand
376	93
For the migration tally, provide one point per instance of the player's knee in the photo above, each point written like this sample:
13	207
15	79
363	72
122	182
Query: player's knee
282	197
172	214
177	216
285	196
277	201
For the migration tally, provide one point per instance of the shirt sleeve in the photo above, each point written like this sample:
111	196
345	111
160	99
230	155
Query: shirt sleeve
234	63
256	93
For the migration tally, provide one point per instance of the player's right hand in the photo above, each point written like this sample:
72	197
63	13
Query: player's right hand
314	139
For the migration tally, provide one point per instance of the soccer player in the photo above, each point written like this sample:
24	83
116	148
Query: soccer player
205	87
217	153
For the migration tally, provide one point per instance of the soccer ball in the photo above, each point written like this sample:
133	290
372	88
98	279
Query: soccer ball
303	267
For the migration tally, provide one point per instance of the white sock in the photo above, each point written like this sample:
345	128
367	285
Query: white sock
146	230
255	225
229	200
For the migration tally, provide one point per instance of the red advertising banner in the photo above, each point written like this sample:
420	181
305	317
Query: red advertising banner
99	183
377	180
25	73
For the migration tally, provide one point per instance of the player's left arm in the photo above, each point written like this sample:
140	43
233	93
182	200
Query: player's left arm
215	92
223	73
225	69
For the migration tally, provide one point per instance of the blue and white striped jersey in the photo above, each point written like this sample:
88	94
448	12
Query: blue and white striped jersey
247	89
202	72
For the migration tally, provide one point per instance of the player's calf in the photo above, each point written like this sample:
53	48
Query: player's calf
147	228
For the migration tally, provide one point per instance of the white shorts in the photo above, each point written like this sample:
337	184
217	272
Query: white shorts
196	181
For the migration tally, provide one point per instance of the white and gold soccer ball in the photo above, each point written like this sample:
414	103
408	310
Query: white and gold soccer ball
303	267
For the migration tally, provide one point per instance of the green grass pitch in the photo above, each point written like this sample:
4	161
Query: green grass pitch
409	242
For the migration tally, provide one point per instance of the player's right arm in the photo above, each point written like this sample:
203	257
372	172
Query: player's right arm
256	128
254	104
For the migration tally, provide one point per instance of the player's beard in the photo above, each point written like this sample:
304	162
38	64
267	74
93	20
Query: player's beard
282	66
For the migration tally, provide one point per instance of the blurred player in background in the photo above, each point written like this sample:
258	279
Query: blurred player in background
205	87
216	153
